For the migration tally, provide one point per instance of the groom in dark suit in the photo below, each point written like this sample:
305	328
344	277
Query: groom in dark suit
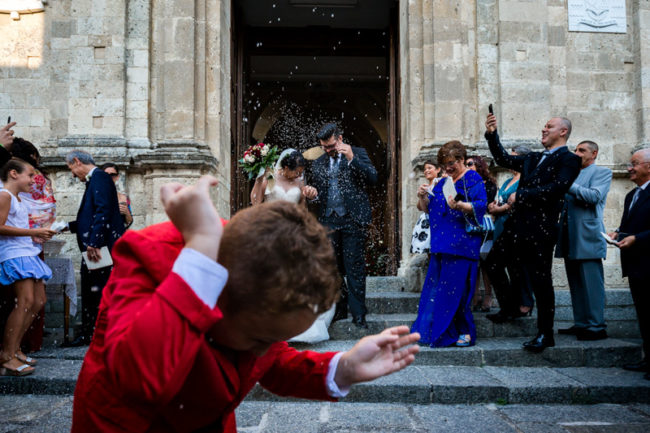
340	178
530	233
633	236
98	224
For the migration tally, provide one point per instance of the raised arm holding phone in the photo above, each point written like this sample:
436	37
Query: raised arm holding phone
530	232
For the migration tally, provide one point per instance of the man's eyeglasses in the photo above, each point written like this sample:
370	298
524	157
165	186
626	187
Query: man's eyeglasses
113	175
633	164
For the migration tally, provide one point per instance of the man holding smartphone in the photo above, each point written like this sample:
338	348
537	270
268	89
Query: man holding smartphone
530	233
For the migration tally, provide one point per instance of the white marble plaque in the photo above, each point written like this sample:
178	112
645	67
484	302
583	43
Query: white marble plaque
603	16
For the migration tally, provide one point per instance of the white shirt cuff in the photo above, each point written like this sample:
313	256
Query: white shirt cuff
332	388
205	277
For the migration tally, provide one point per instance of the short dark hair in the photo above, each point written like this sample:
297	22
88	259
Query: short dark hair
293	160
110	165
328	130
13	164
430	162
590	144
25	150
293	265
452	149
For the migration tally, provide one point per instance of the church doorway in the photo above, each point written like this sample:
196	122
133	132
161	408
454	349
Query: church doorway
297	64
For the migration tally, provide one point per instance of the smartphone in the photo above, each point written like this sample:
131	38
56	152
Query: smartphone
459	197
490	109
8	120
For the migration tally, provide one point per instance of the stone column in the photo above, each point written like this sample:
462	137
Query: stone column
138	38
641	31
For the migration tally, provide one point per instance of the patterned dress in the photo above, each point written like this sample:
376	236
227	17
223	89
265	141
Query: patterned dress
420	242
40	202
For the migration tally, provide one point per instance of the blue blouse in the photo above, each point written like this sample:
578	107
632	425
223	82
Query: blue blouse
448	233
503	195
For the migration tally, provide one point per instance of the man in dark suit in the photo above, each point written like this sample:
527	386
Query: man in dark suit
633	237
98	224
530	233
583	247
340	178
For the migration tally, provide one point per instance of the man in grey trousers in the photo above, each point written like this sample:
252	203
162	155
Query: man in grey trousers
583	247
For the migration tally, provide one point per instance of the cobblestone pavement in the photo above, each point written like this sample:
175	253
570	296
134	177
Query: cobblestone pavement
52	414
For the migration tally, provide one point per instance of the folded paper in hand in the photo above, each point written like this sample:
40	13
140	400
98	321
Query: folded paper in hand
104	262
609	240
448	189
57	226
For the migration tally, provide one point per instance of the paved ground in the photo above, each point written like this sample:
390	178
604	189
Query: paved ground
52	414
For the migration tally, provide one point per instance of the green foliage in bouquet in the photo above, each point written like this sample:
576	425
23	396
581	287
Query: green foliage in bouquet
257	159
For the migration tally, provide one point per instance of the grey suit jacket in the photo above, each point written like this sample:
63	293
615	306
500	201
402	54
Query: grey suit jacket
582	215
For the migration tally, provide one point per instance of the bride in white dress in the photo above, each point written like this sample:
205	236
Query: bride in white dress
287	183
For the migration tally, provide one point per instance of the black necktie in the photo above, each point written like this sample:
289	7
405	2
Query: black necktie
545	154
635	197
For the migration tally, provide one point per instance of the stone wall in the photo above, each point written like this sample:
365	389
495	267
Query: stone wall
147	84
519	55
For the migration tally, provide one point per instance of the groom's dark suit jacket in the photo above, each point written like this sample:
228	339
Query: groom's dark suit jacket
533	224
635	260
354	178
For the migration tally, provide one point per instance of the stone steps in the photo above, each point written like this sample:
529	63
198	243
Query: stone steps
422	384
496	369
508	352
523	327
471	385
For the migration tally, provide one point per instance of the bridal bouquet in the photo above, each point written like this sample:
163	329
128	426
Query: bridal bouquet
258	158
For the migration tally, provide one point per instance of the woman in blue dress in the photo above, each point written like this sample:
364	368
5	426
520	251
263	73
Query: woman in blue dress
444	314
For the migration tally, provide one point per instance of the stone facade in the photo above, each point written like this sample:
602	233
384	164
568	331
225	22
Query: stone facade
148	85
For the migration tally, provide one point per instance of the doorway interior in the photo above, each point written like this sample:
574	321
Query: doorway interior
298	64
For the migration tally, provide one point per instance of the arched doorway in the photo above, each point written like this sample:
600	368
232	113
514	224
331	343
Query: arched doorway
331	61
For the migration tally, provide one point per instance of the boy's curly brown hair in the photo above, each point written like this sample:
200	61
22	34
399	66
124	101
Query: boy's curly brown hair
279	259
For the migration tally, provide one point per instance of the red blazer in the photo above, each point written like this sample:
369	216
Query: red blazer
149	367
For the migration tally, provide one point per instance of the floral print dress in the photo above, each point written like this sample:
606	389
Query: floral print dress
40	202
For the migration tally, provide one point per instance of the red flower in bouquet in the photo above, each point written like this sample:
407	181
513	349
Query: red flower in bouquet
257	158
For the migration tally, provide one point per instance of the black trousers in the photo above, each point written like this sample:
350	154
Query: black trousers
523	269
92	286
641	298
349	242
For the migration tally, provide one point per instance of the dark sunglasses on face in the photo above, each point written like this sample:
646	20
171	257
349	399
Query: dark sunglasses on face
114	174
470	164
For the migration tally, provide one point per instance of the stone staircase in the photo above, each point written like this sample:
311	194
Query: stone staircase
495	370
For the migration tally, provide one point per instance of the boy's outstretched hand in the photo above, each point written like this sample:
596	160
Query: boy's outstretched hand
377	355
191	210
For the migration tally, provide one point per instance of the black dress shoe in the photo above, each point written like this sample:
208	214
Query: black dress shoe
539	343
638	366
360	322
81	340
574	330
339	315
587	335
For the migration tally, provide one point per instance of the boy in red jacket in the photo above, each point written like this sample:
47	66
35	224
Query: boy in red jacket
194	315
